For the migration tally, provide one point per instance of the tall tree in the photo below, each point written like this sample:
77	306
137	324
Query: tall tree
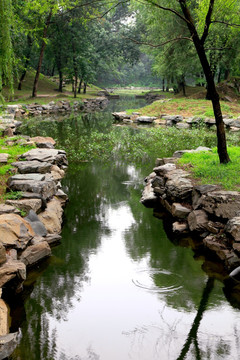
199	18
6	53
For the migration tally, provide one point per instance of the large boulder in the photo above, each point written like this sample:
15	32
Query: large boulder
233	228
36	224
52	156
197	220
223	204
8	209
149	198
44	142
180	211
34	166
26	204
52	216
15	231
35	253
10	270
8	343
42	184
145	119
178	188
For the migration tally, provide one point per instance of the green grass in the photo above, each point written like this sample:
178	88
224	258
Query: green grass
205	166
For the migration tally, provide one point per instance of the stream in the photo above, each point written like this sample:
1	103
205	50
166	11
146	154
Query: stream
117	287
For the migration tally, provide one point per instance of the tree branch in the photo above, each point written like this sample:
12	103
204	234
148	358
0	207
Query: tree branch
207	21
225	23
159	45
165	8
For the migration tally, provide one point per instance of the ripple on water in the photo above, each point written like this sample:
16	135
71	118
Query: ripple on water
158	280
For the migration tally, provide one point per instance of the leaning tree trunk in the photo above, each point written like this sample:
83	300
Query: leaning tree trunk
80	86
212	91
35	84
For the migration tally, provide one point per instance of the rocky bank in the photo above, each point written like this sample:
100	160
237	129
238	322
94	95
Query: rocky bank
30	223
205	212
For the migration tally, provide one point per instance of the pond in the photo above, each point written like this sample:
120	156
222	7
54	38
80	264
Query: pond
117	287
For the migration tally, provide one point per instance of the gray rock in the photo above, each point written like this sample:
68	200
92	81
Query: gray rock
11	270
183	125
4	158
228	122
178	188
148	199
197	193
36	224
163	169
173	118
236	124
145	119
197	220
210	122
120	115
35	253
25	167
180	211
233	228
178	227
53	239
7	209
223	204
8	344
26	204
179	153
52	156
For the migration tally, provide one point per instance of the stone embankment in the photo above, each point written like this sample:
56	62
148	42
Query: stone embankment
176	120
30	223
205	212
10	117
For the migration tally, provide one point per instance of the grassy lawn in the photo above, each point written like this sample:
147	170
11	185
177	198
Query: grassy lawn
205	167
47	91
187	107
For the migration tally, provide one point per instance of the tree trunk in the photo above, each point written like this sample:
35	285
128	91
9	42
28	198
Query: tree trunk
35	84
163	84
60	88
30	43
85	88
80	86
212	91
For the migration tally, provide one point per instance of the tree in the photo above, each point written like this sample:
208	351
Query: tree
199	21
6	53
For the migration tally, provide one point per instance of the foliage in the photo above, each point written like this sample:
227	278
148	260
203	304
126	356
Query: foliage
13	195
205	166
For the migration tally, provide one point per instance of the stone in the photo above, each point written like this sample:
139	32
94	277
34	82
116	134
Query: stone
52	156
228	122
53	239
163	169
158	181
223	204
36	224
52	216
197	193
44	142
180	211
197	220
8	343
233	228
11	270
4	158
3	256
148	199
146	119
43	185
210	122
234	129
8	209
26	204
120	115
179	153
26	167
35	253
178	188
4	324
15	231
172	118
180	227
11	254
57	173
182	126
